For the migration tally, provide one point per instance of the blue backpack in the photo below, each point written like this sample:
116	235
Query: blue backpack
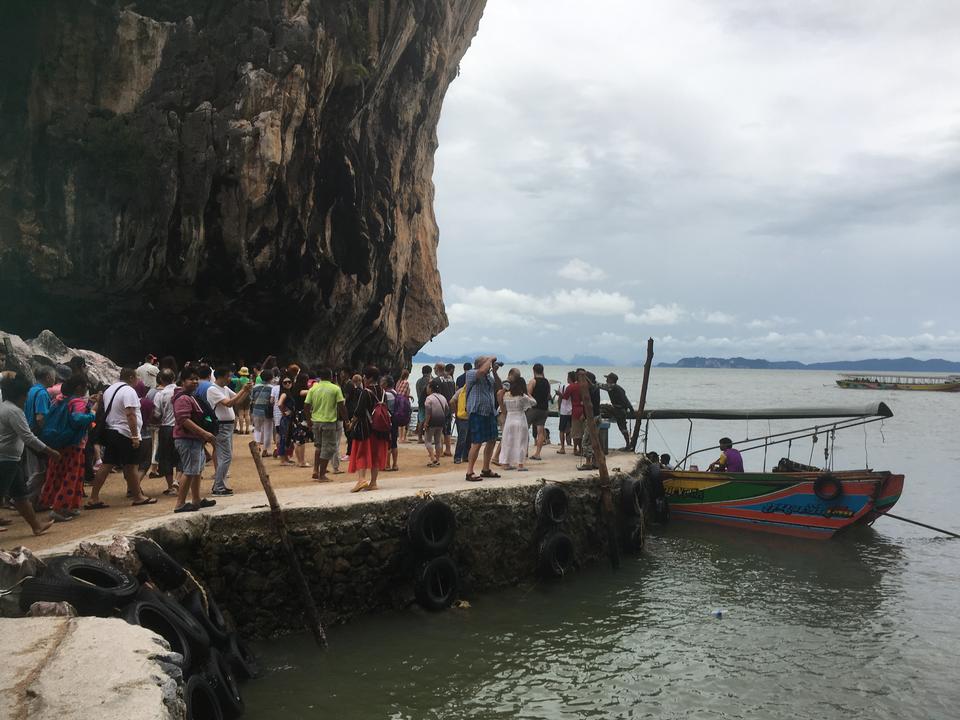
59	429
401	410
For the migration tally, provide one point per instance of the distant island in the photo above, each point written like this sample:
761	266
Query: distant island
906	364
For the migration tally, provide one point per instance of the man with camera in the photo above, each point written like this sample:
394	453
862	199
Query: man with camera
480	387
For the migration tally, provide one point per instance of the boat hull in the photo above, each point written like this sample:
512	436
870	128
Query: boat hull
781	503
921	387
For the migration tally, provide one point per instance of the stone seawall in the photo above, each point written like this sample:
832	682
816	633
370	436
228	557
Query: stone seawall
359	559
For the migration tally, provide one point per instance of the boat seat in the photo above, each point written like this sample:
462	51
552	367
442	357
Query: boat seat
788	465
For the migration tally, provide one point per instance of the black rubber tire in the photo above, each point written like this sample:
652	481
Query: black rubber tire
164	571
192	629
431	527
633	496
242	659
633	536
110	580
201	700
86	600
156	616
437	583
827	487
551	504
213	622
556	556
224	685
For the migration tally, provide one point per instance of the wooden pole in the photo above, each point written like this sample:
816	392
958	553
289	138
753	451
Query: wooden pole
313	615
638	415
600	459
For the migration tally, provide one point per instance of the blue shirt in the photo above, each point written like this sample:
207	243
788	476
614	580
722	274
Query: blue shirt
481	399
202	389
37	403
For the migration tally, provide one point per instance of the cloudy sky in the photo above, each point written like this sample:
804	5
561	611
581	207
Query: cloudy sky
766	178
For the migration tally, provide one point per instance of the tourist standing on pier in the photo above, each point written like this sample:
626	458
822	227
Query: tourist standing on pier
482	407
403	388
566	411
63	485
577	415
422	391
167	459
539	389
435	421
516	430
462	378
147	372
261	410
370	447
619	406
288	413
459	401
323	407
14	436
121	440
448	386
223	400
189	438
398	419
36	407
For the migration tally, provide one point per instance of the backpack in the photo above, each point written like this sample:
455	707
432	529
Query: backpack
59	430
209	420
401	409
380	418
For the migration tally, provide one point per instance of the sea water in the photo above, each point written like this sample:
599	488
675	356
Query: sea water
864	625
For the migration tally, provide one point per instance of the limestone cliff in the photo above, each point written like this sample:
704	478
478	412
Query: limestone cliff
226	178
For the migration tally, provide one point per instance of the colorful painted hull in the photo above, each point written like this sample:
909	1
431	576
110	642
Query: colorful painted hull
781	503
873	385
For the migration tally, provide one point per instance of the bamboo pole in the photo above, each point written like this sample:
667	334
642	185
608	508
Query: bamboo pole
313	615
641	405
600	459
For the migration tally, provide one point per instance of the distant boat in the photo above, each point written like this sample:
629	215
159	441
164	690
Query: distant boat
791	499
892	381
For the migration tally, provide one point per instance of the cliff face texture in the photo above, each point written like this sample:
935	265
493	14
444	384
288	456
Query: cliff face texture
225	178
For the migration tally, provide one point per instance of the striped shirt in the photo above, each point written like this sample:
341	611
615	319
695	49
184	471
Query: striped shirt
481	399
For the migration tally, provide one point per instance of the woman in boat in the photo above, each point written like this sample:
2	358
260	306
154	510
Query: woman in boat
730	459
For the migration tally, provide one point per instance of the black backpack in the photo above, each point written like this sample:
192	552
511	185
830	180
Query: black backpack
209	420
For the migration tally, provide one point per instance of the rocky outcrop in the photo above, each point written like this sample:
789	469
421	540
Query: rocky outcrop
227	179
48	349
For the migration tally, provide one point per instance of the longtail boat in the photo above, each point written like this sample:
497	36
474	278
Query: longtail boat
890	381
791	499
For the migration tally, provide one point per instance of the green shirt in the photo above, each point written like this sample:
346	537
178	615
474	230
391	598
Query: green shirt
323	398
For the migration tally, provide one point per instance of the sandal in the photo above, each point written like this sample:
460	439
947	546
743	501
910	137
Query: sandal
207	502
171	491
96	506
473	478
489	474
145	501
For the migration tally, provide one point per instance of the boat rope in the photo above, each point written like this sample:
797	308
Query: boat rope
916	522
813	444
766	440
789	448
866	452
665	443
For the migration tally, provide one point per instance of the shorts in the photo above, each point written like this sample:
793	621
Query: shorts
119	450
576	427
145	451
483	428
192	457
565	422
448	427
536	417
12	484
325	439
167	458
394	435
421	413
433	436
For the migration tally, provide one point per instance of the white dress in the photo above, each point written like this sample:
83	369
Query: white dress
516	432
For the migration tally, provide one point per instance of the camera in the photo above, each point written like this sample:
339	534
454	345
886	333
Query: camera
498	364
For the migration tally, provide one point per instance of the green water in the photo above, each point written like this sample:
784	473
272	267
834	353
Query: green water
865	625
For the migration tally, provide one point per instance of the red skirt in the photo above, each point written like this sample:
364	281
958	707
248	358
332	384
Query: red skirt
370	453
63	486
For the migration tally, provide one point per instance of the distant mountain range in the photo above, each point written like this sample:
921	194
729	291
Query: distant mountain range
906	364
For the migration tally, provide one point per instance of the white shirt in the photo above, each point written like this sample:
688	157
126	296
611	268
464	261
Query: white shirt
215	396
275	394
566	406
148	374
163	402
126	397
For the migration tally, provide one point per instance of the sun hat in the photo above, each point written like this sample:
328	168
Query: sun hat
244	372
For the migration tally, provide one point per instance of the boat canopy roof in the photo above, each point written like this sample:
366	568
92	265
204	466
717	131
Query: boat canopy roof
863	411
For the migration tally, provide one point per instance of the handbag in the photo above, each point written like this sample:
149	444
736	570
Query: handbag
98	431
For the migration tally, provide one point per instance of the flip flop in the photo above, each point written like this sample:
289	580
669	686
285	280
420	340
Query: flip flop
96	506
145	501
171	491
523	469
489	474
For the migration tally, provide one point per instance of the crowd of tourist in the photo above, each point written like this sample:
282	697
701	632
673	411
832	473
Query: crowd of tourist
62	437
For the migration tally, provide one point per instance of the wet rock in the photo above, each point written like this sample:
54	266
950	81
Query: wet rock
48	349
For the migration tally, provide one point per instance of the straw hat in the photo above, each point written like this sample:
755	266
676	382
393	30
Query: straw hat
244	372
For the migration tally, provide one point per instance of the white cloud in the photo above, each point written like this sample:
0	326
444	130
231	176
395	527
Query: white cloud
658	315
483	307
771	322
719	318
613	339
580	271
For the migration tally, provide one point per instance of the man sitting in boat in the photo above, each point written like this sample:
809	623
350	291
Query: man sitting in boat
730	459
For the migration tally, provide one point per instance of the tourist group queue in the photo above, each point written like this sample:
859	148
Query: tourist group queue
162	421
